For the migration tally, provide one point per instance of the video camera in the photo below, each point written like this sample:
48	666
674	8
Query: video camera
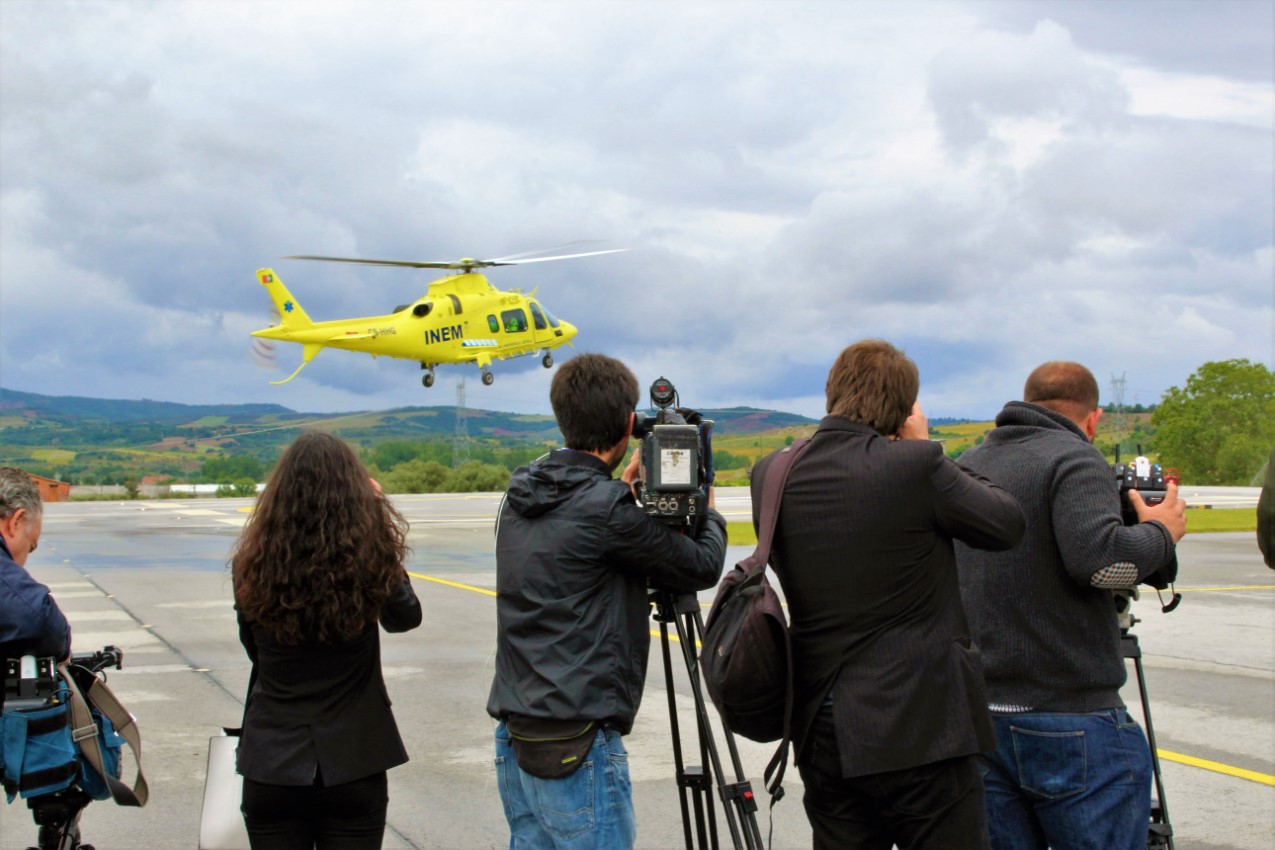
1150	480
677	459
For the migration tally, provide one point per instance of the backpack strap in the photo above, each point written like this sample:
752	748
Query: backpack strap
84	731
768	517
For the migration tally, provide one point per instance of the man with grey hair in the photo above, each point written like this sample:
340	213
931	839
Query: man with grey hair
30	621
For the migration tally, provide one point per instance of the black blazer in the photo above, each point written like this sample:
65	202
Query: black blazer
864	553
319	706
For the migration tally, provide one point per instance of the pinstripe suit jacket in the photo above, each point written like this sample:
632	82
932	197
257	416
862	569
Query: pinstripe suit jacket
864	554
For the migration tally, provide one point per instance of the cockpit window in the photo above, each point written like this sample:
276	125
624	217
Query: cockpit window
515	321
553	320
537	316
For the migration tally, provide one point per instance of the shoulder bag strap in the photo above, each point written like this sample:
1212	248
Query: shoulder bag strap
771	497
85	732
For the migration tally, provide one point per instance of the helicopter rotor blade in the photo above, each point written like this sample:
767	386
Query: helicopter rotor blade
558	257
401	263
464	264
566	247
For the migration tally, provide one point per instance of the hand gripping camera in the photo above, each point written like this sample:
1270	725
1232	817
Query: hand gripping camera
1149	479
677	459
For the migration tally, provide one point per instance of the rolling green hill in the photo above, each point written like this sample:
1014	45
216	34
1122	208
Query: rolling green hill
107	440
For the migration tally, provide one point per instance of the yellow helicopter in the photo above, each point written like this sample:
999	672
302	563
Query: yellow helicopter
461	319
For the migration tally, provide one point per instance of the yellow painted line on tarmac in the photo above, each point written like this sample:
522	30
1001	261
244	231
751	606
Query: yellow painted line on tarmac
1220	589
1218	767
488	592
483	590
1215	766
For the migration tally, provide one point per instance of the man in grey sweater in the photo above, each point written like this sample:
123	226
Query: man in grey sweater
1071	768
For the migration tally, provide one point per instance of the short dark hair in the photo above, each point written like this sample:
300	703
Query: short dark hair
873	383
592	396
1064	387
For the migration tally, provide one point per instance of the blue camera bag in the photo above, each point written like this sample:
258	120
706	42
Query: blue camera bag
37	753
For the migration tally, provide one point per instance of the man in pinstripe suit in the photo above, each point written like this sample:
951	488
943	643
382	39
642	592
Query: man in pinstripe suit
890	710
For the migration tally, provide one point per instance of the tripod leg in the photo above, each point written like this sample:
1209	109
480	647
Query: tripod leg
688	641
740	793
1161	830
676	735
737	797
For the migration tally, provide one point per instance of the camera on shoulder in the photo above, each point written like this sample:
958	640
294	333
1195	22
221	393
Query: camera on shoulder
677	458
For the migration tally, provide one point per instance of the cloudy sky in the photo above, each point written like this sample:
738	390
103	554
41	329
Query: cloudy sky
986	184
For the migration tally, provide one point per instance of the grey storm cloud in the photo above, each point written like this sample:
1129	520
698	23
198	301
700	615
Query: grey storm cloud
988	184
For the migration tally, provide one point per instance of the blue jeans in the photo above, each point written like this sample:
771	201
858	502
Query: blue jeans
1069	782
592	809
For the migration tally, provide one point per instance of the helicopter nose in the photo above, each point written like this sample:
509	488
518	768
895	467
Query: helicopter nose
568	330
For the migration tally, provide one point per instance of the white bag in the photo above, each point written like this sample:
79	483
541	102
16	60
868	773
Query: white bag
221	823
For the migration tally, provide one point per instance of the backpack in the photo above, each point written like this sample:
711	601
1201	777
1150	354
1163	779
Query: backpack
746	652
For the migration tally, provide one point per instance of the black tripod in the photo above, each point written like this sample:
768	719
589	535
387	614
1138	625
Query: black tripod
692	781
58	817
1160	831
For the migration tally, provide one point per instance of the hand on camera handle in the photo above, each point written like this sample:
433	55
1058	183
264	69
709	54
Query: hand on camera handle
634	469
1171	513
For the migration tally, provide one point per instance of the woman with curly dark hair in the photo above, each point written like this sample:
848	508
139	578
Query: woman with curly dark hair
317	567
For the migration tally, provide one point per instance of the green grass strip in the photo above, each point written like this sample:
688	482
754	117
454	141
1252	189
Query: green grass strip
1203	520
1198	521
740	534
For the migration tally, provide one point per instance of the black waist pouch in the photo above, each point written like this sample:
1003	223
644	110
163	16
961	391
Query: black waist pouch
550	749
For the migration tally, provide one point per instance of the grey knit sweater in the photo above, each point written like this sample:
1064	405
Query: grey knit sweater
1049	640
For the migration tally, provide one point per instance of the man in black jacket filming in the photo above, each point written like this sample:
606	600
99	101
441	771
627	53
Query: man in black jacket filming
574	556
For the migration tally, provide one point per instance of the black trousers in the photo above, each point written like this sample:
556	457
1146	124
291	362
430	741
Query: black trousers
305	817
938	806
